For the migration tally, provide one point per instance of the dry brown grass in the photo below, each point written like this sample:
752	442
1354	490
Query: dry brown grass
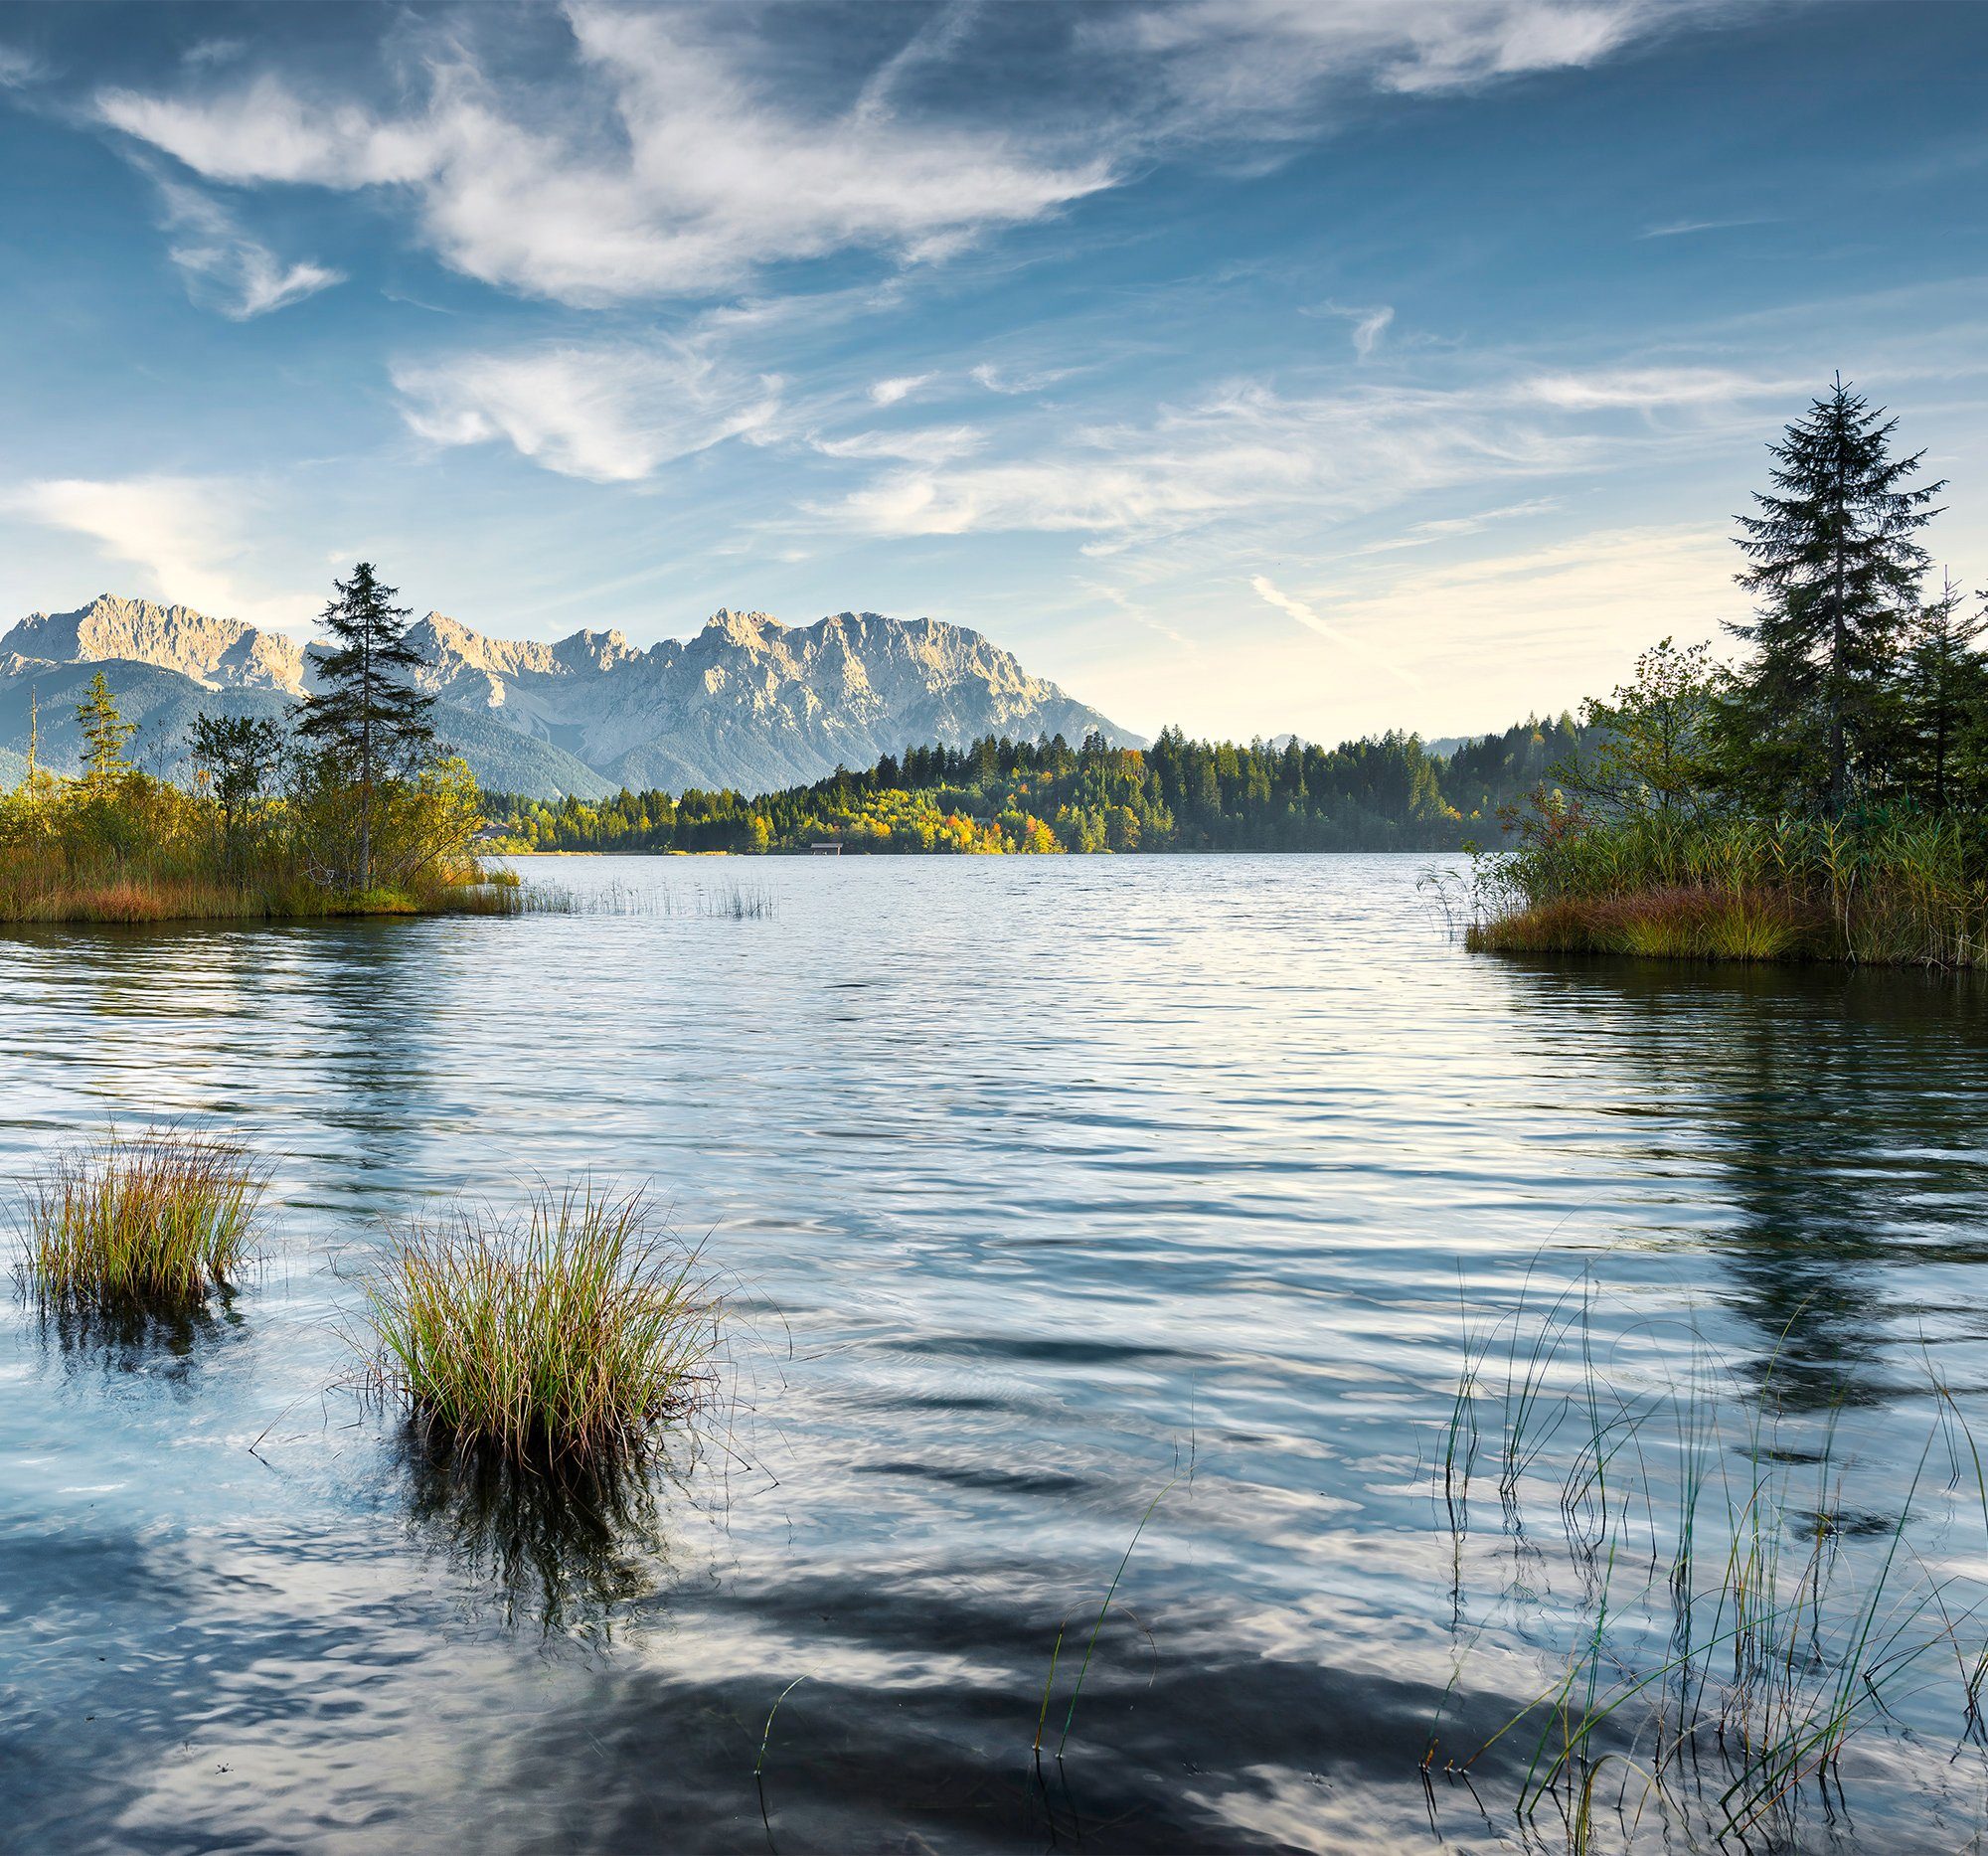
1676	922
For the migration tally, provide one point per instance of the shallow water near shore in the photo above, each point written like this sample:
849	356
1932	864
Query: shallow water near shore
1044	1188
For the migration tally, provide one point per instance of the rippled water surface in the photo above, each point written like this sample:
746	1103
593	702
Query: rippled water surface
1038	1183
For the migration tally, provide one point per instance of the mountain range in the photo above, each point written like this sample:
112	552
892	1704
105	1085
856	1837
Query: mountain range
747	703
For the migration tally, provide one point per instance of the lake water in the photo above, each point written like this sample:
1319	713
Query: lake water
1044	1188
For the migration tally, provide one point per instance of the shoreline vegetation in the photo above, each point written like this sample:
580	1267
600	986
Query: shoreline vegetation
352	811
1000	796
1824	797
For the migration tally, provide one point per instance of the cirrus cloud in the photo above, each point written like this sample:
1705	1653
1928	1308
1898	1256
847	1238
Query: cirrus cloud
707	177
611	413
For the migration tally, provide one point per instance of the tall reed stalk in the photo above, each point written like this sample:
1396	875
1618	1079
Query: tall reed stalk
1729	1621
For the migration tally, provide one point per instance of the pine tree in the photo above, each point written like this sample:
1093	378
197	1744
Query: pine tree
104	734
1942	694
368	718
1836	571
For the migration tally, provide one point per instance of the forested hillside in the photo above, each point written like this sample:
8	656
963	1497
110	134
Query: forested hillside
1002	795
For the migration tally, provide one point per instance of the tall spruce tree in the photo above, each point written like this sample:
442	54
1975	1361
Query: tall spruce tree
105	735
1835	571
369	718
1943	701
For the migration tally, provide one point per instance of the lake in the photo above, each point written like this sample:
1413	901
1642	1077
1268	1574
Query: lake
1050	1195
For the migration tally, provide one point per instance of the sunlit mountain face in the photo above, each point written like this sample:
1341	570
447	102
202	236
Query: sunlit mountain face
747	703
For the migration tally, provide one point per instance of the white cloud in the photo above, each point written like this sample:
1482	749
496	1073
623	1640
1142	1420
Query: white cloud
674	154
1683	228
1243	449
611	413
225	267
1300	610
1648	389
704	177
1446	528
1005	381
1259	68
927	445
178	532
890	391
19	69
209	52
1552	623
1369	324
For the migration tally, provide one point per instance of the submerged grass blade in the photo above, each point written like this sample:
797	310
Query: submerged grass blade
759	1765
1110	1592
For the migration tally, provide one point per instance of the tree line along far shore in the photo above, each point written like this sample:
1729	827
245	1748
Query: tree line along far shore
1821	793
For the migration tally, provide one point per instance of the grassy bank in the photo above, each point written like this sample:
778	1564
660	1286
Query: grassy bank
133	849
151	888
1881	891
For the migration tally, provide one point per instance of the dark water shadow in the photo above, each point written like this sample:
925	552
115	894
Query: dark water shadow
561	1551
163	1344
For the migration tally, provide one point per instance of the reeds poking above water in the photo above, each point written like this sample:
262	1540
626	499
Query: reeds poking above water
737	902
1725	1613
159	1220
1905	891
567	1335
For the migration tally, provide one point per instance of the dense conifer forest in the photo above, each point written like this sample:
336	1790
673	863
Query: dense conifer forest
1378	794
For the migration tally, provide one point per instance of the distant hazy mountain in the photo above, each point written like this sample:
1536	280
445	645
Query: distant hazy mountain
747	703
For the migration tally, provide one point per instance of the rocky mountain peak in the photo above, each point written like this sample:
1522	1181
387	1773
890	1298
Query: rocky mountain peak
748	702
217	653
743	628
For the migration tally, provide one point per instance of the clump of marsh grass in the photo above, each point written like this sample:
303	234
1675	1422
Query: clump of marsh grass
568	1335
156	1220
1880	889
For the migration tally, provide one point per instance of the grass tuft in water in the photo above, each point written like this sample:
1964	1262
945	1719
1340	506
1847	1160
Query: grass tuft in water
570	1334
161	1220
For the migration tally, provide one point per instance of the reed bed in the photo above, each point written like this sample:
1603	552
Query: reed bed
1883	890
735	902
570	1334
1728	1595
46	890
160	1220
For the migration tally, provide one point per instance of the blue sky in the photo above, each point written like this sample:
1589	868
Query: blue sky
1259	365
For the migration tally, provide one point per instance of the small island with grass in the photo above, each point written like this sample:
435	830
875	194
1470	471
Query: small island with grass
1825	797
354	810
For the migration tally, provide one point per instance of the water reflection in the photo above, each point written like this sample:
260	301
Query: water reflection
161	1344
1027	1168
1840	1147
563	1551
